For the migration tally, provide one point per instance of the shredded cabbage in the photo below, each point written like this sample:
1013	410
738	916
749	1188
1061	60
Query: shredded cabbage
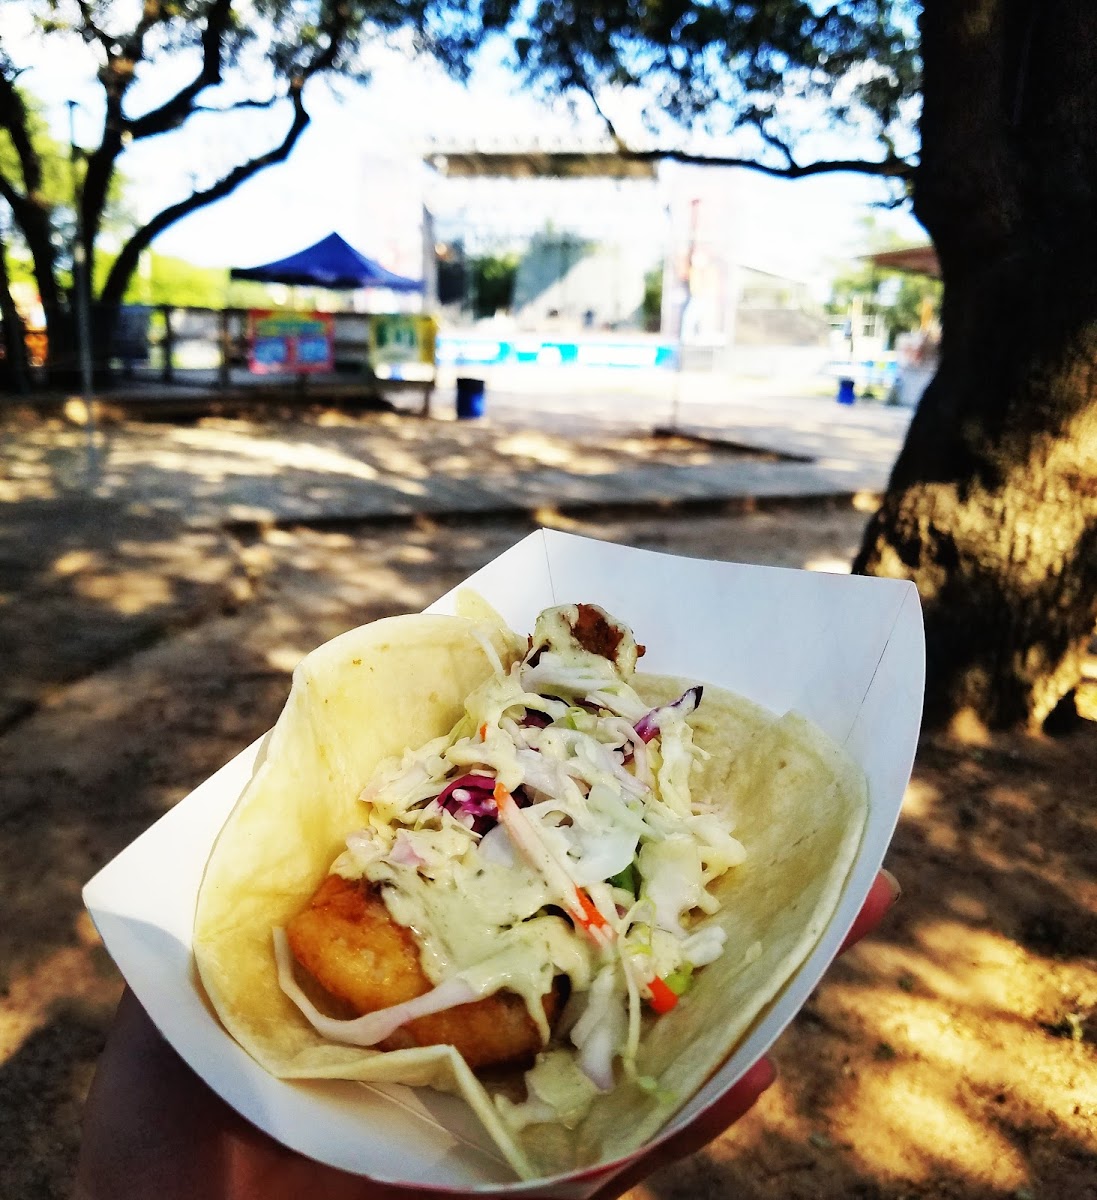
558	791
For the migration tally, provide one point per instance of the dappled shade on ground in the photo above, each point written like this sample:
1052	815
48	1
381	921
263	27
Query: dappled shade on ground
952	1056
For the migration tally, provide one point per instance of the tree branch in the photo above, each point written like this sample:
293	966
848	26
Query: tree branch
888	168
758	120
29	209
152	14
270	102
33	219
87	19
116	79
173	112
14	199
335	23
13	118
126	262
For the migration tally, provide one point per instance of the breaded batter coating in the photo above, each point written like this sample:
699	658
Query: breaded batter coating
349	944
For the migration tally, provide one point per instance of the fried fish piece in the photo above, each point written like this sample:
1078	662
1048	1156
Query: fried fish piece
348	943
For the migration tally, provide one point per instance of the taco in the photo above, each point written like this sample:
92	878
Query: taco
524	871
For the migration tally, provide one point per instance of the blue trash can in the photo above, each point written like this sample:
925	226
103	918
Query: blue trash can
470	398
845	391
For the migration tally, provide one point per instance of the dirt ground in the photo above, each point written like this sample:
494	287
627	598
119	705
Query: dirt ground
950	1056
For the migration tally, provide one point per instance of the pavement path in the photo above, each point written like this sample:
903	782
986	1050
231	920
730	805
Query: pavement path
826	447
154	530
795	448
866	434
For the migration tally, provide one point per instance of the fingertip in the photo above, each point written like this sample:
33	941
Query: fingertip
760	1076
881	896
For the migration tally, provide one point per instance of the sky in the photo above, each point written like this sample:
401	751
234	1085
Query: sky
356	167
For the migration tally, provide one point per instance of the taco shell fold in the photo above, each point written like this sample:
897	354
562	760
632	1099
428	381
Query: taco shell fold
799	803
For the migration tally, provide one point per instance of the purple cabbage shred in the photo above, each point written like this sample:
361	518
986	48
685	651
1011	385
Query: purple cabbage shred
471	796
648	725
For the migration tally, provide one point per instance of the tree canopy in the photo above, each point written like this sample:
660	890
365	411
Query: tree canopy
56	171
769	73
258	56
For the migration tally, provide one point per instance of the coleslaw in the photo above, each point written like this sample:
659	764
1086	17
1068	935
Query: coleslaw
552	832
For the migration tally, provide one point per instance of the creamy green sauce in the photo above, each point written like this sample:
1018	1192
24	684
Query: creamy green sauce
601	797
480	920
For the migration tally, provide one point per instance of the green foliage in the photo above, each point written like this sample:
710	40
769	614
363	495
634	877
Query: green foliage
763	70
493	278
56	188
60	175
20	267
161	279
247	293
899	297
652	304
896	296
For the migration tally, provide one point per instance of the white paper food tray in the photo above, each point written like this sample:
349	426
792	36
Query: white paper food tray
845	651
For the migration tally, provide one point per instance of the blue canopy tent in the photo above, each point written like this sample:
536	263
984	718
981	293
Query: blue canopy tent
333	263
330	263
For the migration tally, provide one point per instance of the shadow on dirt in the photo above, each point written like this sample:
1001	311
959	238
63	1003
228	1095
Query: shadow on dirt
950	1056
42	1090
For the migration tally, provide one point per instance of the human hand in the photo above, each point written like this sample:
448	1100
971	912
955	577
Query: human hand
153	1128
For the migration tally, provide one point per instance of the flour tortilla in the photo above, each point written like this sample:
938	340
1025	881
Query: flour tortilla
799	804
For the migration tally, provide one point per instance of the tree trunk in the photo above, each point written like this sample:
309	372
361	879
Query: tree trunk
34	222
15	346
992	505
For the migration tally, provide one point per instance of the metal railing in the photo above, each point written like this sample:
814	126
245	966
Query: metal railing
209	347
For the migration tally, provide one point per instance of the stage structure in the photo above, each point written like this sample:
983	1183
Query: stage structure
606	244
585	226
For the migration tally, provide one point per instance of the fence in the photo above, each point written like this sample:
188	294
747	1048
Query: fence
205	346
210	349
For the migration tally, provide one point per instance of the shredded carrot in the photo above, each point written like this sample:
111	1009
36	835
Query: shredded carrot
577	902
591	918
484	732
662	999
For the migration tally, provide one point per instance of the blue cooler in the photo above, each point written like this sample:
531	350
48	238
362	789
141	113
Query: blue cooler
470	398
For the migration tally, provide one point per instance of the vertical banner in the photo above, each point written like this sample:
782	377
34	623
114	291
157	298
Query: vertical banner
290	343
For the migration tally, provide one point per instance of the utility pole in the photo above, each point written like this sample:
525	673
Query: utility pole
80	282
687	295
14	335
81	288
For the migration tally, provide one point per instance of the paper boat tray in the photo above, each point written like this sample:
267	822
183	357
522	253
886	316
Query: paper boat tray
847	652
